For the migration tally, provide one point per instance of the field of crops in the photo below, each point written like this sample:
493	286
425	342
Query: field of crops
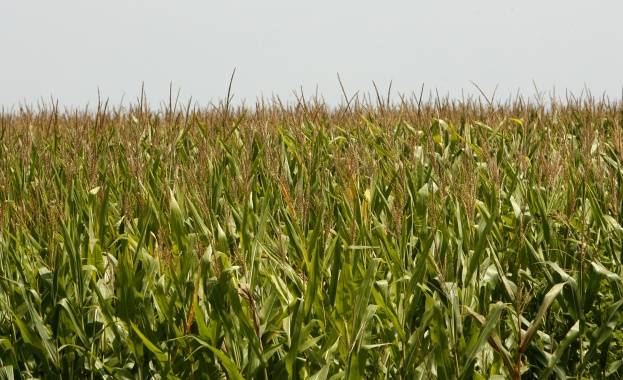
428	239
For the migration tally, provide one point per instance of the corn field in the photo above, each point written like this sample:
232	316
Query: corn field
384	240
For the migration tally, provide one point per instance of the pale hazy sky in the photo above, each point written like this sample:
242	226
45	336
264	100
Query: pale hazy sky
67	49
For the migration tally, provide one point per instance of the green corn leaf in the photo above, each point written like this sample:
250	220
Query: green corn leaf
554	360
545	305
475	257
230	366
484	335
496	343
604	332
160	354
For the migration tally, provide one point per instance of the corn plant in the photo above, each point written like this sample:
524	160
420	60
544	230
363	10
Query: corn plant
423	240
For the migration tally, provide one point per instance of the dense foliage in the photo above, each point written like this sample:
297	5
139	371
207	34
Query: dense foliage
422	240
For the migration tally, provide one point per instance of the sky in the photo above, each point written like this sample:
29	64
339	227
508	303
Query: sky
69	50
